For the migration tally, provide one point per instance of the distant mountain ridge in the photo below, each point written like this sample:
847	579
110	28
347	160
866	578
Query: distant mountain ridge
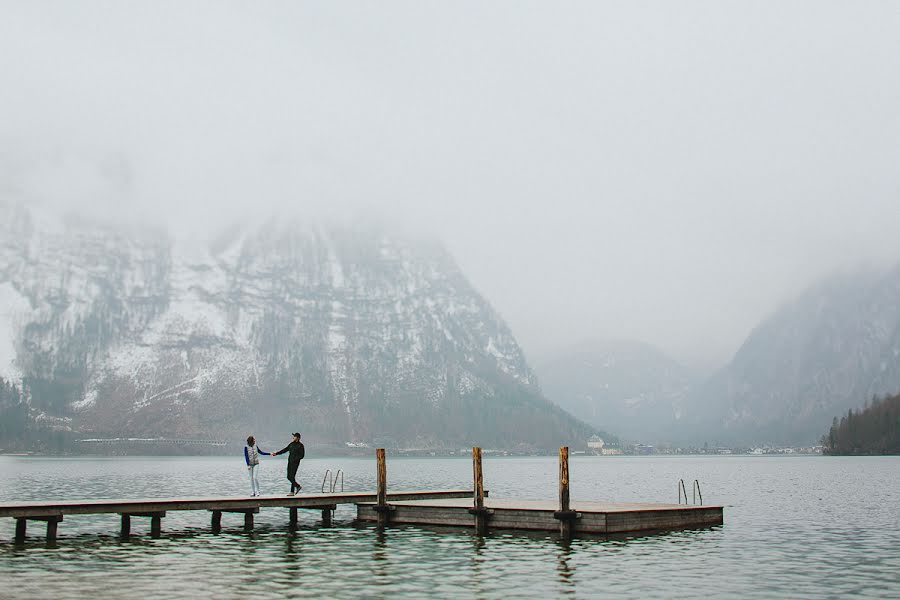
831	349
628	387
349	334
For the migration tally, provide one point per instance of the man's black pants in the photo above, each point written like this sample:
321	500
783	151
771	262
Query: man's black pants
292	476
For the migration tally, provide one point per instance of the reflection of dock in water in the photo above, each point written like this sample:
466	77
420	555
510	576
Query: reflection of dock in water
459	507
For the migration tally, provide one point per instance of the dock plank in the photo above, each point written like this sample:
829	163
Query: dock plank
25	509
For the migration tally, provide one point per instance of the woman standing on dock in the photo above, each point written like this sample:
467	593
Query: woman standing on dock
251	456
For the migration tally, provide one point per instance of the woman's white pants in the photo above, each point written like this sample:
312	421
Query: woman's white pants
254	481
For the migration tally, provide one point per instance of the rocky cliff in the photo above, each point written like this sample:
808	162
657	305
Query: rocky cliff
347	334
831	349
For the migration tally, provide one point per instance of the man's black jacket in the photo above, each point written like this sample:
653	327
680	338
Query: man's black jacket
296	452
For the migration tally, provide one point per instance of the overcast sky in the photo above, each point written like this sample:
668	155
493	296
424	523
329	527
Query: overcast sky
662	171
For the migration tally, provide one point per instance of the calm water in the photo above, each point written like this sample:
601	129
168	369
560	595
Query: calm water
795	527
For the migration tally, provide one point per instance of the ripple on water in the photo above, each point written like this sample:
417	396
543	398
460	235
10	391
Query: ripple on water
794	527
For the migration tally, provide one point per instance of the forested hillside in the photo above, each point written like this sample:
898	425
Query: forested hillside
873	430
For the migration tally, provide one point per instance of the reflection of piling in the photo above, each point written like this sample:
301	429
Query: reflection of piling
478	510
564	515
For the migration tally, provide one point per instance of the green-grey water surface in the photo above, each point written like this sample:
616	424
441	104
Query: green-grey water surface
795	527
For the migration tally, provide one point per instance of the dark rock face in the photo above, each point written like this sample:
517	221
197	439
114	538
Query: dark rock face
830	350
345	334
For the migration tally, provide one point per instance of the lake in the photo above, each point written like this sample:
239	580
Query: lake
795	527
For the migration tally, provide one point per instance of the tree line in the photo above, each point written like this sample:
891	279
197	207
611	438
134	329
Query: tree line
873	430
18	429
13	413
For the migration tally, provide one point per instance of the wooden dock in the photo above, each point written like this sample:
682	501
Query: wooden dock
456	507
155	509
541	515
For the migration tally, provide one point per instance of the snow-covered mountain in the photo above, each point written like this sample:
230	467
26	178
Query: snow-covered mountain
630	387
347	334
831	349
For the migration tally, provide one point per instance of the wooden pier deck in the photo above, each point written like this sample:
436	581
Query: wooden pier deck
456	507
543	515
53	512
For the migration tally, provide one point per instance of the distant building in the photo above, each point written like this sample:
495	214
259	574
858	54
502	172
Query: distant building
611	451
595	443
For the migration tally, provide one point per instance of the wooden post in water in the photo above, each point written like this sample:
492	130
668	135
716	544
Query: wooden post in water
216	521
381	506
293	516
126	526
565	515
564	479
478	500
52	524
156	525
21	524
248	521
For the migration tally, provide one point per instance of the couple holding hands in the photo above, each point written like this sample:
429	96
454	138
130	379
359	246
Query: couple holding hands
295	452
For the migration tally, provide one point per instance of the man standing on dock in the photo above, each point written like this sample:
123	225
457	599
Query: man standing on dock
296	452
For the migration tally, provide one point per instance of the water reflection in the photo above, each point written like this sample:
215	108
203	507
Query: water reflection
564	570
839	507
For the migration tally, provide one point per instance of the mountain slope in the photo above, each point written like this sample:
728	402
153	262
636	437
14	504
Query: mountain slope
834	347
345	334
628	387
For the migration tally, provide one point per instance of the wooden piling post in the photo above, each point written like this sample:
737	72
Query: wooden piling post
52	525
156	526
326	517
478	510
381	505
248	521
381	484
125	531
216	521
564	479
293	518
565	515
21	525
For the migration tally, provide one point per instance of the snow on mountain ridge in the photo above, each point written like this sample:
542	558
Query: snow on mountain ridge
336	327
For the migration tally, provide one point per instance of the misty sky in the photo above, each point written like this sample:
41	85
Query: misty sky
663	171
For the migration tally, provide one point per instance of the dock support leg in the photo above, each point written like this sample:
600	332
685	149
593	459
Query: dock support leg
126	526
293	518
52	524
20	530
565	528
155	526
326	517
248	521
216	521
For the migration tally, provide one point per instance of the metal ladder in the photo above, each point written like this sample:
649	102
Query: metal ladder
332	481
695	492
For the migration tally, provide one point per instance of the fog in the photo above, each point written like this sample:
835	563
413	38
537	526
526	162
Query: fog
661	171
